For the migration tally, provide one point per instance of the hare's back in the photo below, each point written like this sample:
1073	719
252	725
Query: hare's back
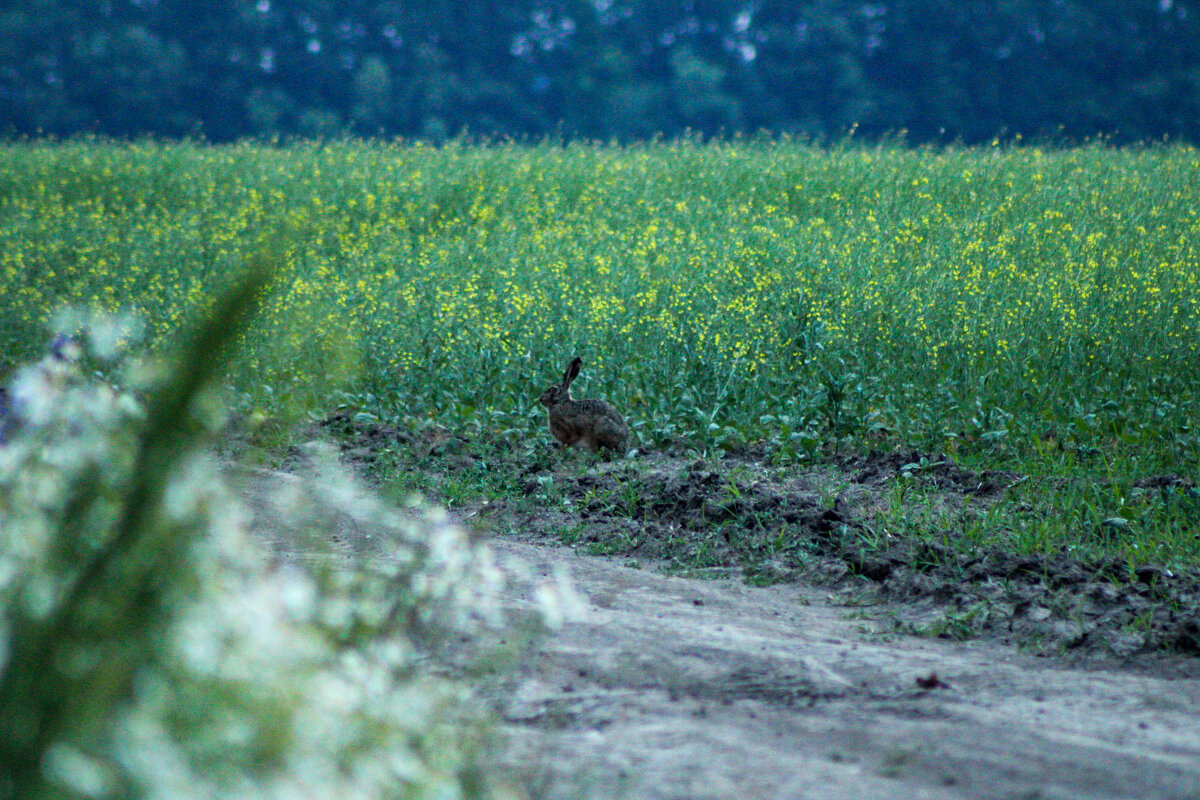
597	409
594	424
607	429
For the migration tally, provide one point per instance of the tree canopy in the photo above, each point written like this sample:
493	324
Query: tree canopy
934	69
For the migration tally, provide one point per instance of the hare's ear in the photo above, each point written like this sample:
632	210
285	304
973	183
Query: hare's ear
572	371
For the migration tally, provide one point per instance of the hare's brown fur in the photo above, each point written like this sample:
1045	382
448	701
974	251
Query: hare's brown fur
593	424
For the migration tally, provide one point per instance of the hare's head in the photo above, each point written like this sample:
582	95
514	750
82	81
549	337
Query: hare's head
554	395
561	392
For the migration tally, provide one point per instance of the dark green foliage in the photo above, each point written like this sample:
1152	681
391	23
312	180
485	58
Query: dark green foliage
936	69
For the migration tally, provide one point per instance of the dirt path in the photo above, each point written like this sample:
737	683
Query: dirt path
668	687
676	688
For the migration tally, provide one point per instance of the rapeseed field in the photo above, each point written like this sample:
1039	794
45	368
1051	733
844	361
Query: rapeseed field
1014	306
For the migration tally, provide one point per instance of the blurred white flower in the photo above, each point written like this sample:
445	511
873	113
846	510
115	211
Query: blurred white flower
302	679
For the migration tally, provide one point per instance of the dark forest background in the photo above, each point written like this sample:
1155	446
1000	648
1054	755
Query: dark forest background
938	70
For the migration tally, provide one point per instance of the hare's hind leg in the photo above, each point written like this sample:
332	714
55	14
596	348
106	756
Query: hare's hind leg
610	438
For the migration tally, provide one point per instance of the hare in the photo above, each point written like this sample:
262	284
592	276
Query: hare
594	424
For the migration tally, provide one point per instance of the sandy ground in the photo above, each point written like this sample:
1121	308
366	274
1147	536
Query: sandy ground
677	688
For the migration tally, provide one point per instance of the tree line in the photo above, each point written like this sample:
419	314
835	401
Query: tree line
936	70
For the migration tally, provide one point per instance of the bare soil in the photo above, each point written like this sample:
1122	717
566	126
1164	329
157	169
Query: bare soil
1034	676
670	687
777	524
818	523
